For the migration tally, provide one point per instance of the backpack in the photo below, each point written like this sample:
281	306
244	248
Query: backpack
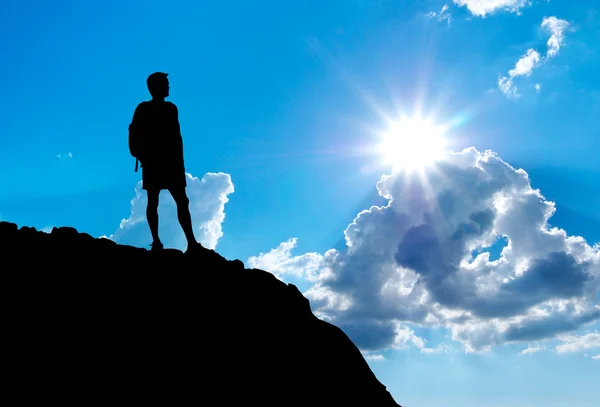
135	134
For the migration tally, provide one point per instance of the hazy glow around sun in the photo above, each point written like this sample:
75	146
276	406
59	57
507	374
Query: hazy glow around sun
412	143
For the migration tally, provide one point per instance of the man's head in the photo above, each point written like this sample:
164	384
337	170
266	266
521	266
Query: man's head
158	84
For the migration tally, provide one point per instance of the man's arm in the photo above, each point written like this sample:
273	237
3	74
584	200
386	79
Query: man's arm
178	130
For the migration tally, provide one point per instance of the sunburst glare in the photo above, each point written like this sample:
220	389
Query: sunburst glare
411	144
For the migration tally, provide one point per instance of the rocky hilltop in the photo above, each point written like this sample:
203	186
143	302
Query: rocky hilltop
88	320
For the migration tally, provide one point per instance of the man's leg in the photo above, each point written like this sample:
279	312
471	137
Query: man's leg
183	214
152	213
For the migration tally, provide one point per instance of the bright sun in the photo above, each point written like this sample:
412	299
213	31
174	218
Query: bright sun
411	144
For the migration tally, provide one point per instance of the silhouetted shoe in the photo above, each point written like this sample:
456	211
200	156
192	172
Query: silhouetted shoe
194	247
156	246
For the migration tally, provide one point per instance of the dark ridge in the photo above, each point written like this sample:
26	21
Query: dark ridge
88	320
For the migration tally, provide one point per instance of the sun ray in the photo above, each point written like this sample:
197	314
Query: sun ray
412	143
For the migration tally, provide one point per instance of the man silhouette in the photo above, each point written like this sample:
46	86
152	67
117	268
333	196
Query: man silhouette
155	140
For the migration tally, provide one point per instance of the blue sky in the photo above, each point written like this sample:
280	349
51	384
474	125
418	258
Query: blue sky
280	105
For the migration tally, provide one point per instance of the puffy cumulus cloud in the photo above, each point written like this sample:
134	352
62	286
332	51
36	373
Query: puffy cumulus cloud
423	260
482	8
532	59
208	196
280	262
573	343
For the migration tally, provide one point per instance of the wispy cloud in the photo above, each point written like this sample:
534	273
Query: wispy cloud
579	343
64	156
442	15
524	67
375	357
441	348
556	28
532	349
532	58
482	8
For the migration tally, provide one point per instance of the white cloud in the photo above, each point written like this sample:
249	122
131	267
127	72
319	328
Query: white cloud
406	337
524	66
207	196
442	15
579	343
532	349
596	357
411	262
556	28
279	262
482	8
375	357
532	58
64	156
441	348
538	87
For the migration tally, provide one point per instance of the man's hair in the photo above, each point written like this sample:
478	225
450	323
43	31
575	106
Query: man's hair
155	79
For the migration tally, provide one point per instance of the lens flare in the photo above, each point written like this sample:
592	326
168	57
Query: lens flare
411	144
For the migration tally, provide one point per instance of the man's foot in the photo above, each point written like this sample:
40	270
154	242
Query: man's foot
193	246
156	246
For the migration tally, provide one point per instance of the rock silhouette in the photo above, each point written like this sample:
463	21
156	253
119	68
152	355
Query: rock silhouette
88	320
